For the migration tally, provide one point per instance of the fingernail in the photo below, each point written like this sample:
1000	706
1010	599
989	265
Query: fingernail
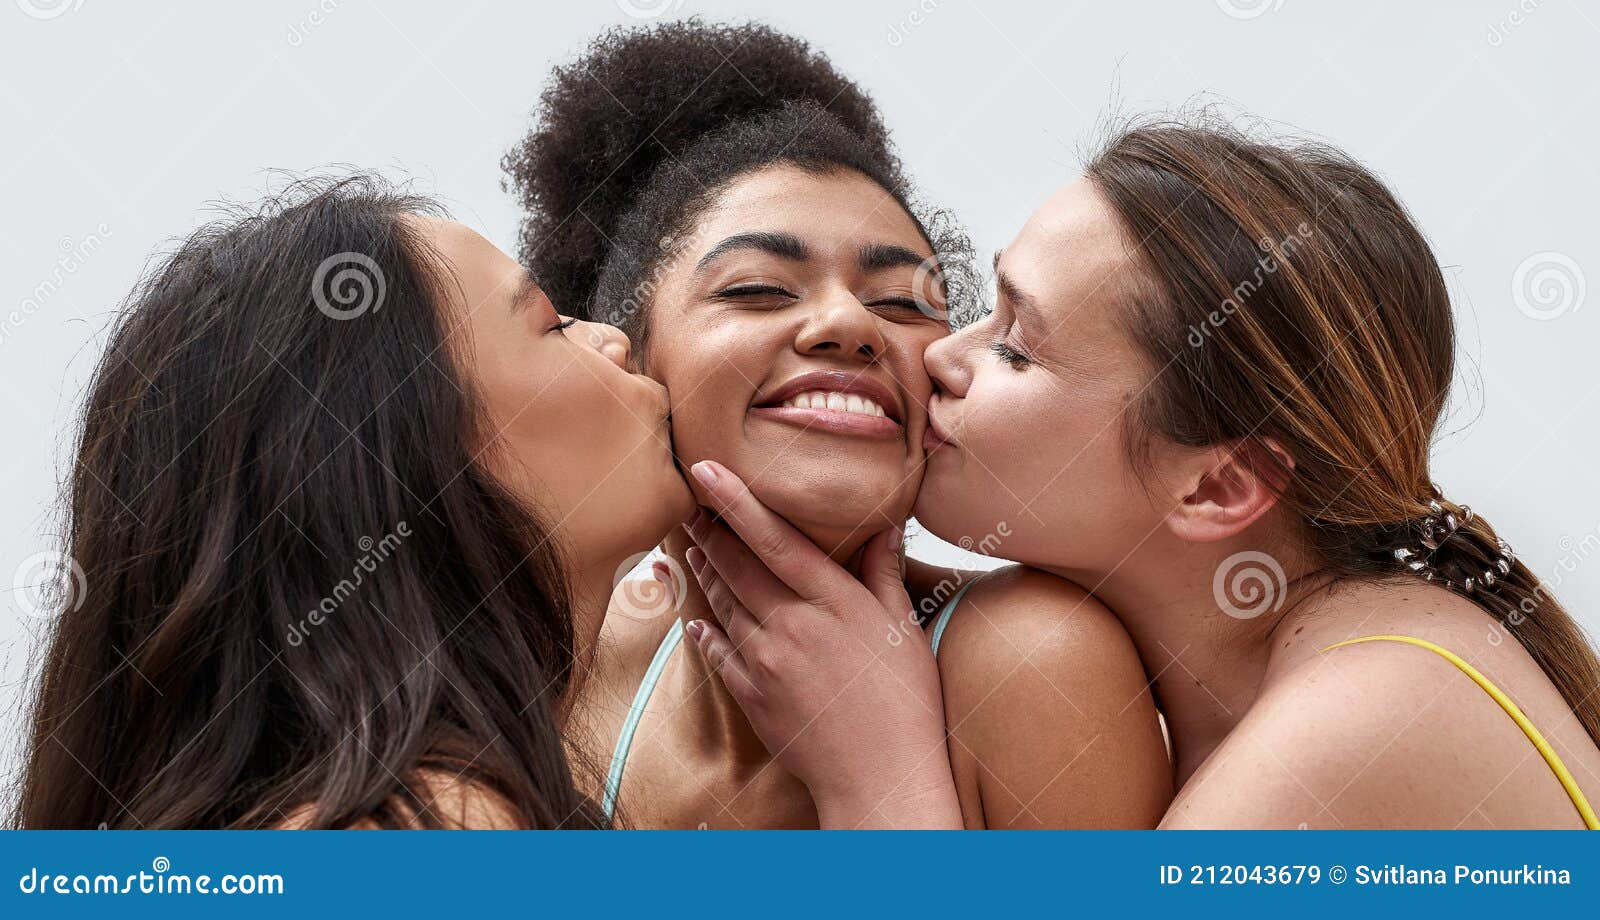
897	536
705	472
695	629
697	558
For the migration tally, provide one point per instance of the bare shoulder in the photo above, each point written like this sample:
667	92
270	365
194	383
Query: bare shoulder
1387	733
1052	723
460	804
1018	615
638	619
450	802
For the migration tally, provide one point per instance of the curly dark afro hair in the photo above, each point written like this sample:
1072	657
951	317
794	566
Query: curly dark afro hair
637	136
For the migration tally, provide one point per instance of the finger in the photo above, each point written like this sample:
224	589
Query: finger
755	586
883	570
793	558
736	620
719	652
663	574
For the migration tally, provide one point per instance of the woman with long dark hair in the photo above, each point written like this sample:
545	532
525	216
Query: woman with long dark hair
1214	372
349	499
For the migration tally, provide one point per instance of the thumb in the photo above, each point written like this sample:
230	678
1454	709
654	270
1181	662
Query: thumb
883	569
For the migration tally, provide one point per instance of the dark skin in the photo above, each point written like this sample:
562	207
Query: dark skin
842	302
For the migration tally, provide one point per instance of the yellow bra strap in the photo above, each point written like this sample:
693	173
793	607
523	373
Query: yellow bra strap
1499	696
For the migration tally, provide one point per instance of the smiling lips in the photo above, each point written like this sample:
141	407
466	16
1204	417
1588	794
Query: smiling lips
836	402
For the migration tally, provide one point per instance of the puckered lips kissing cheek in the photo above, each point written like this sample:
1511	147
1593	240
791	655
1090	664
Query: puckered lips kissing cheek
941	420
835	402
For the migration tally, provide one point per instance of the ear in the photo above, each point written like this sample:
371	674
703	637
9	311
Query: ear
1229	487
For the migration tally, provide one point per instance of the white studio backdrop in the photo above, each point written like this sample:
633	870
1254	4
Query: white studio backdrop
124	120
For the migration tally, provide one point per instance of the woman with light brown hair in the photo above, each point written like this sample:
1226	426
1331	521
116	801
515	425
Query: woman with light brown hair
1209	387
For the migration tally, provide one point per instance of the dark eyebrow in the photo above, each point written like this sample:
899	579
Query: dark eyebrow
782	245
1020	300
524	292
875	256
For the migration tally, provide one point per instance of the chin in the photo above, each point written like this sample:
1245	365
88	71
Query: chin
833	513
943	513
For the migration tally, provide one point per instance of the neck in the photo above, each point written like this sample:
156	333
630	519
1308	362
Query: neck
591	588
1207	664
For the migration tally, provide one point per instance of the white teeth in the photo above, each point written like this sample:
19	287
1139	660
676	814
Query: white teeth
852	403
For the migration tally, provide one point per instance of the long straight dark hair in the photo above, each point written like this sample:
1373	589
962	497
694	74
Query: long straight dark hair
302	600
1293	298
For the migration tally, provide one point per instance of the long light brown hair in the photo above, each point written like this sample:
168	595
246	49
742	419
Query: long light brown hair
1290	296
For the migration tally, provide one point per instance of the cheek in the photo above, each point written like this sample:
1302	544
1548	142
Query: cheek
709	399
1010	423
913	372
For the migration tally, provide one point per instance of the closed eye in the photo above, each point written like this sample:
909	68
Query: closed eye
738	291
1010	355
900	303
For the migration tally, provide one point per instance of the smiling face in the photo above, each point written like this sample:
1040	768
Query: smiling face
1028	421
789	334
566	425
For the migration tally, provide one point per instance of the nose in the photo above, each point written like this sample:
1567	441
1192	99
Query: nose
842	328
949	360
608	340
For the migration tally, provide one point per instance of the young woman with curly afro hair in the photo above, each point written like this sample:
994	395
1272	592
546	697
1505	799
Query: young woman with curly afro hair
735	205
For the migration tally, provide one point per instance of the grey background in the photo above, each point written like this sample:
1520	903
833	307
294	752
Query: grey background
122	120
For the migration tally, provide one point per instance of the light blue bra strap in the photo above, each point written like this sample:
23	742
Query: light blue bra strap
619	756
945	612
